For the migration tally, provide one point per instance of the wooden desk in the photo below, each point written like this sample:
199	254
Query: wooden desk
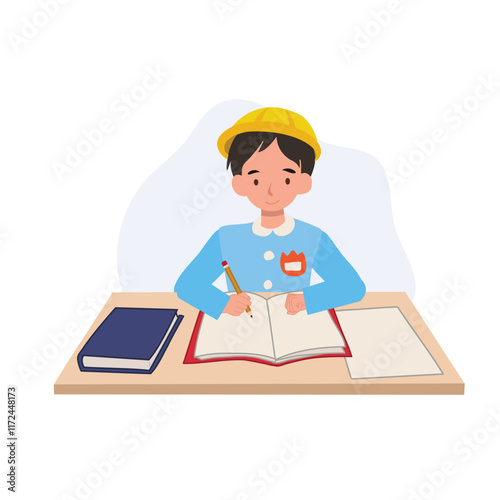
313	376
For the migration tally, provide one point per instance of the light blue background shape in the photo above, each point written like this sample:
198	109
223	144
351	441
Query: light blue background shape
189	197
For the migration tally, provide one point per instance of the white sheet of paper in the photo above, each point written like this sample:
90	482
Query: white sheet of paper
383	344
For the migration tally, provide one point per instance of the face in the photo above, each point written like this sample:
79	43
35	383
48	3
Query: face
270	180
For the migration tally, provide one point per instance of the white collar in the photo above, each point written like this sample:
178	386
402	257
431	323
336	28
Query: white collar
283	230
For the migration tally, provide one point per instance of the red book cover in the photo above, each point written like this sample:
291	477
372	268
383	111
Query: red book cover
190	358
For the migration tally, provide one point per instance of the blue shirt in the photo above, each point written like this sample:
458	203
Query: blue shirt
262	261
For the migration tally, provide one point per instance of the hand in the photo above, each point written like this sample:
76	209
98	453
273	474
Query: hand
294	303
237	304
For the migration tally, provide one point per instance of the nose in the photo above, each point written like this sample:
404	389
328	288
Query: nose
269	189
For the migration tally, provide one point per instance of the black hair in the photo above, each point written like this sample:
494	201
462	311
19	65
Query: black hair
244	146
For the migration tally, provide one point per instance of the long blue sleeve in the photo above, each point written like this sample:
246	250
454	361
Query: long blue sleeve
194	285
341	283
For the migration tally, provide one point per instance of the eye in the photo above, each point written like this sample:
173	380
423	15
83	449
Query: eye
287	181
256	182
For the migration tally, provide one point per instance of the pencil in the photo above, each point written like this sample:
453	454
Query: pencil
233	281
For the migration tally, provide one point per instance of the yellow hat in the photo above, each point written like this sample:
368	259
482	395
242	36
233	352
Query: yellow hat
276	120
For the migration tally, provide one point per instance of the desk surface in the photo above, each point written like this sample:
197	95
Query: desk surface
313	376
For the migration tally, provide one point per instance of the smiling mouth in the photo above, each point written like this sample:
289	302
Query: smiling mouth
274	203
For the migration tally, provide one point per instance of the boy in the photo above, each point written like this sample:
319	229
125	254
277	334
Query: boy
271	153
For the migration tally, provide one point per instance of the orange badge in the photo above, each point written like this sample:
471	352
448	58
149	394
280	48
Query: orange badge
293	264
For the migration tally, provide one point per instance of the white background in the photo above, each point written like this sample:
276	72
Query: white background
59	239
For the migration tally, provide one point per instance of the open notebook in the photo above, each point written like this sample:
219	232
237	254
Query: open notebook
272	336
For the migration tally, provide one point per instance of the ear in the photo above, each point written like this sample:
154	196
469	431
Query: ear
304	183
239	185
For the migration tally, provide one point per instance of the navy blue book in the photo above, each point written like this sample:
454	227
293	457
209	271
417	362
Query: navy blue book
129	340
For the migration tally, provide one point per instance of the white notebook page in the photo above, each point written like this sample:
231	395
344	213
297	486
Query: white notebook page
236	335
302	332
